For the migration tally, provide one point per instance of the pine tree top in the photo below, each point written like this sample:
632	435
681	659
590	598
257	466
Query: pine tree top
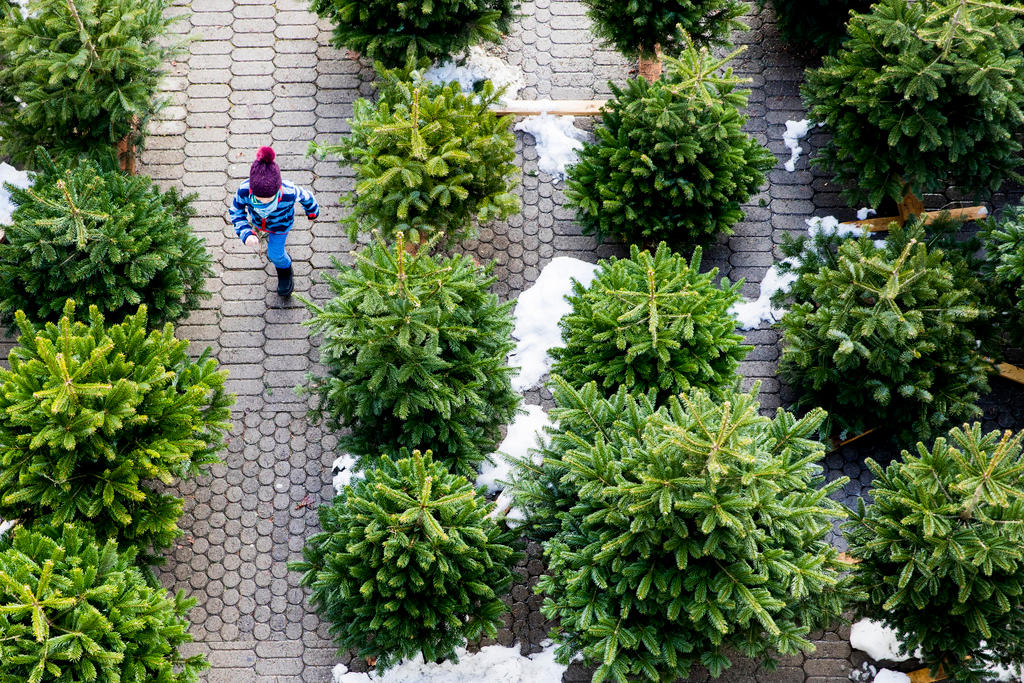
87	231
410	561
704	532
429	159
416	354
636	27
651	322
922	94
671	160
92	416
74	609
80	75
395	33
884	336
942	549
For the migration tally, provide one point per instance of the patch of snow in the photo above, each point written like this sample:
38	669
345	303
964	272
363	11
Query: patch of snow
523	434
343	471
865	673
830	225
750	314
890	676
493	664
537	313
1007	674
9	174
877	640
557	141
478	66
795	130
864	213
6	526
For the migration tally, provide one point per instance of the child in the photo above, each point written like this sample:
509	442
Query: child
265	204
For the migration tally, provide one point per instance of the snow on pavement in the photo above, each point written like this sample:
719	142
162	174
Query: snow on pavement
479	66
557	140
537	313
9	174
493	664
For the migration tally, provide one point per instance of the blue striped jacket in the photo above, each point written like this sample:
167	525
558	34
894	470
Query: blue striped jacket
247	221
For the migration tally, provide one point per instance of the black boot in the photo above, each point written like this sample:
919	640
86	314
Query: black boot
285	283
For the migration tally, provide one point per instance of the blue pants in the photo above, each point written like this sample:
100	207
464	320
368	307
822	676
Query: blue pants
275	249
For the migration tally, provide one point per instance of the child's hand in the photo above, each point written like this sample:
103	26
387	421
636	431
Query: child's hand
253	242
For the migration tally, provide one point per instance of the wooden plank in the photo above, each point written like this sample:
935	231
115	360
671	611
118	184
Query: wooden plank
1011	372
925	676
968	213
556	107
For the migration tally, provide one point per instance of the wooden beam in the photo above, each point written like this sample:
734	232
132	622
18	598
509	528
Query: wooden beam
925	676
1011	372
969	213
555	107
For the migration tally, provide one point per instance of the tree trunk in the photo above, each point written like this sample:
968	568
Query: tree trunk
910	206
650	68
126	149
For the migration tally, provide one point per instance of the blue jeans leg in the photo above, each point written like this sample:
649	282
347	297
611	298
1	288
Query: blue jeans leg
275	250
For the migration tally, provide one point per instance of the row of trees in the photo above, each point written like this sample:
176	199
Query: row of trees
677	522
102	408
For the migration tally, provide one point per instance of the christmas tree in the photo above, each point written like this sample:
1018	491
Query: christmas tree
415	349
922	95
820	24
651	322
103	238
942	550
395	33
1003	274
883	337
428	158
96	419
582	416
79	75
74	609
637	27
702	533
671	159
409	562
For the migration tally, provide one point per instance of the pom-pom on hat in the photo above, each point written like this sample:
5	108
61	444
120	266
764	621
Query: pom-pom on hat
264	174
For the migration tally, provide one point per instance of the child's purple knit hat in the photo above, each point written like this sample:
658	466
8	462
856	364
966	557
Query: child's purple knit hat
264	174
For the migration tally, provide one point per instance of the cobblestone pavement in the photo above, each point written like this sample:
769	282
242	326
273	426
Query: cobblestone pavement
263	73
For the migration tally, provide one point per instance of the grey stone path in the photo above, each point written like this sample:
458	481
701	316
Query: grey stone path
263	73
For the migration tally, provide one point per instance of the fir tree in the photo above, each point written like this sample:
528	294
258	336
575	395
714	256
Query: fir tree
79	75
922	95
102	238
73	609
942	550
95	419
671	159
883	337
415	349
396	32
819	24
651	322
636	27
1002	271
582	416
409	562
704	533
428	159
